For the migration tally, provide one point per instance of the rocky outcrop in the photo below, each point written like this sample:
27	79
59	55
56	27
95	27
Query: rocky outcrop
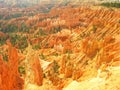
9	76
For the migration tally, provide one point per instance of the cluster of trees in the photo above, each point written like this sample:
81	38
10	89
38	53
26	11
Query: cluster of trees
16	40
2	40
19	41
12	28
111	4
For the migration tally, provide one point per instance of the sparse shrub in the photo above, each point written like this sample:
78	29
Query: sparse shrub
36	47
118	21
42	56
68	51
5	57
42	32
94	28
21	70
55	66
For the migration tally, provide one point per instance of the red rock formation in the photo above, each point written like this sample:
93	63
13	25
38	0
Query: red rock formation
38	73
9	76
68	70
63	65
